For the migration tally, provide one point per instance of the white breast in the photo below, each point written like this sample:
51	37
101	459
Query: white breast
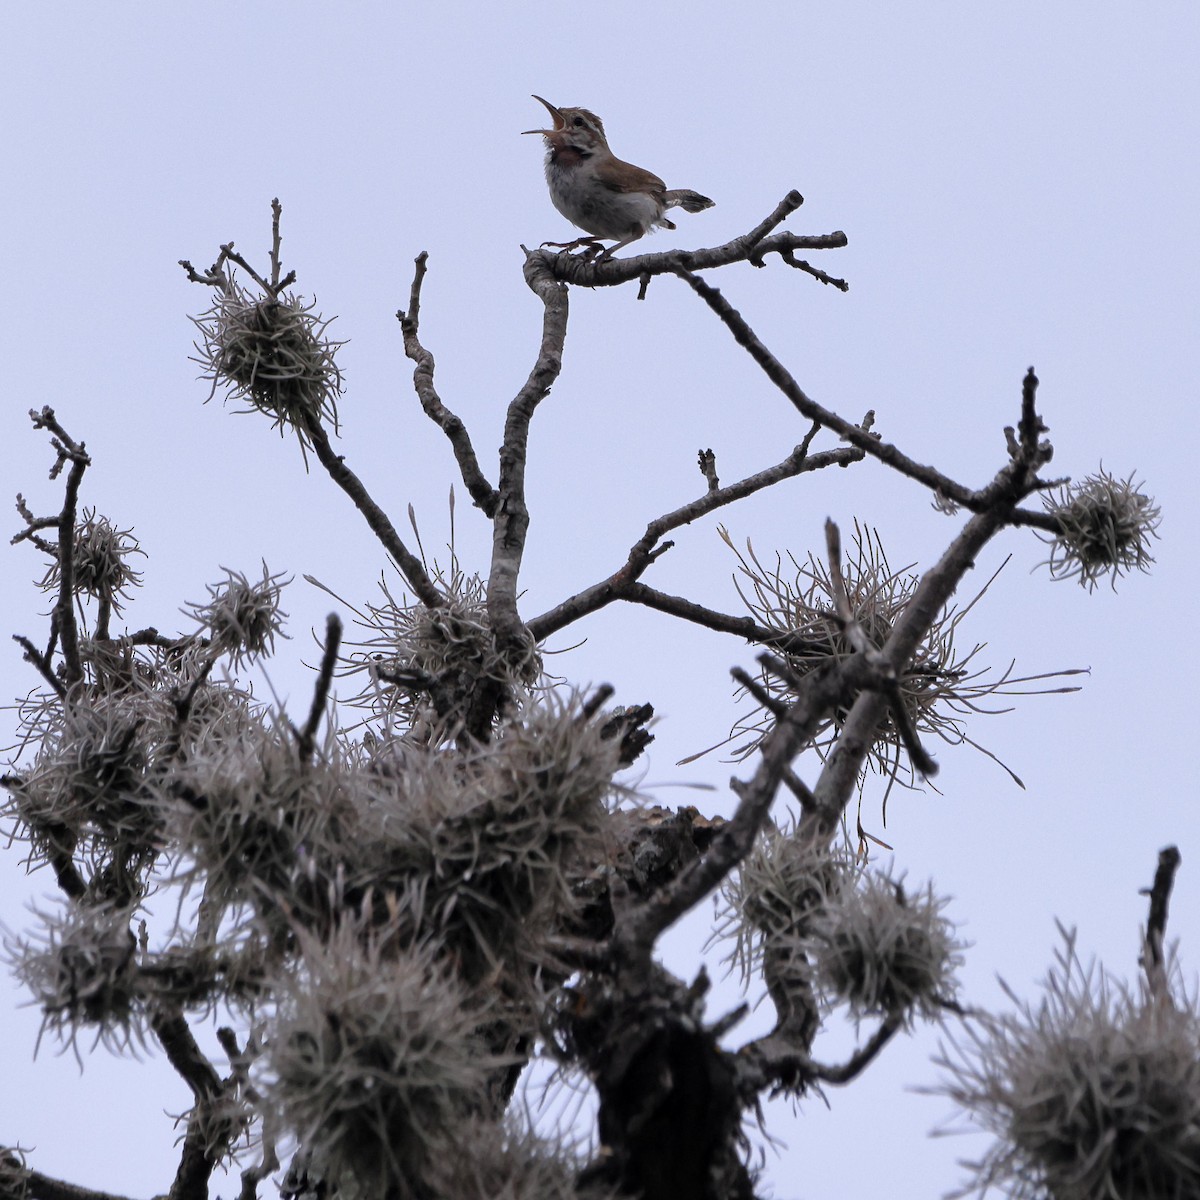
586	202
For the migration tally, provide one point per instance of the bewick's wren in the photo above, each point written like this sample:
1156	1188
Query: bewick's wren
595	190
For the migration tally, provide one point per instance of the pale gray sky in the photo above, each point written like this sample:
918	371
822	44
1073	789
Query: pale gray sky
1019	184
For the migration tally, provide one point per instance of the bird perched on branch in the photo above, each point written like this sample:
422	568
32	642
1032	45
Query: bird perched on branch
595	190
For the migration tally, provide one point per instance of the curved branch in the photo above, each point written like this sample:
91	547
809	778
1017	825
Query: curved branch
511	522
485	496
719	622
699	614
774	1060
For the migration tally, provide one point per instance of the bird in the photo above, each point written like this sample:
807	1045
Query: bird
598	192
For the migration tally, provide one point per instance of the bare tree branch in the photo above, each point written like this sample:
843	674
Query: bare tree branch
750	247
861	1058
184	1054
857	638
482	492
512	516
622	584
42	662
61	843
759	694
838	778
945	487
406	562
217	277
1153	961
774	1060
64	609
821	690
860	678
29	1184
719	622
333	640
204	1142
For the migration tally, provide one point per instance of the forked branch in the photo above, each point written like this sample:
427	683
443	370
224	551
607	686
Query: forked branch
623	584
64	624
945	488
842	767
751	247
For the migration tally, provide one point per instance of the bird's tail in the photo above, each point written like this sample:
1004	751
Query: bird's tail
688	200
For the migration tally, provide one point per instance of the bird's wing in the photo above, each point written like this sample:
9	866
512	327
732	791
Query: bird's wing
625	177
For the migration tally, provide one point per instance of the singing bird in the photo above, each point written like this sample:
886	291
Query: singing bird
595	190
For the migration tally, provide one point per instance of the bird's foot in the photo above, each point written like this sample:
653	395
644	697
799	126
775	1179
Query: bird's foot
590	246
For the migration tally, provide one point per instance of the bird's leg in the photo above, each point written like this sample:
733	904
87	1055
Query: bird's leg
609	251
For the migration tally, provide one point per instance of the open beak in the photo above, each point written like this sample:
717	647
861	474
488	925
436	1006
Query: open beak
559	123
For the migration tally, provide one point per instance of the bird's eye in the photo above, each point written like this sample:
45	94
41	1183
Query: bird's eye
578	122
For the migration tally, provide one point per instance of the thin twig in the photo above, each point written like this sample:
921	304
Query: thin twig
798	788
406	562
920	758
333	640
760	695
595	702
810	409
34	656
922	761
784	209
719	622
837	585
276	244
229	254
622	584
945	488
799	264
